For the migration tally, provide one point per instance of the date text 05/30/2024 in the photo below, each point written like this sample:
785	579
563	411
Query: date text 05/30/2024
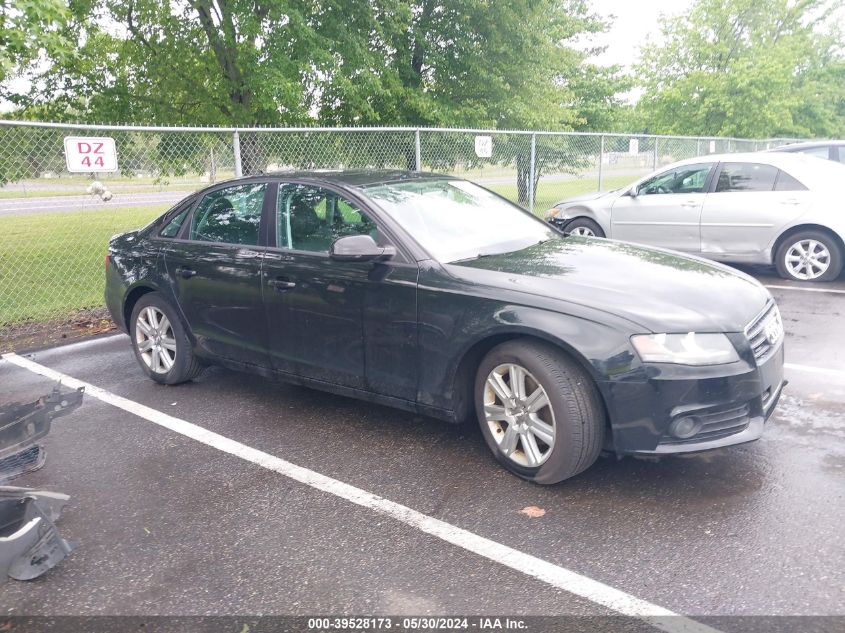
476	623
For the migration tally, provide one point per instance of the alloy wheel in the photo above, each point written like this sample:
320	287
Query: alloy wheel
519	415
155	340
807	259
582	230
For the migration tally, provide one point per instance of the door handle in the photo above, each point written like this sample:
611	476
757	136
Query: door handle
185	273
689	203
791	201
281	284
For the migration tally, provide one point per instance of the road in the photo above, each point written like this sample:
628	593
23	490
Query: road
171	524
54	204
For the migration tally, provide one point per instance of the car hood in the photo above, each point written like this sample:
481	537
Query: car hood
660	290
587	197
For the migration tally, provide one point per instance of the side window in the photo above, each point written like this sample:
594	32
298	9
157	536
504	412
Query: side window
746	177
171	229
820	152
230	215
685	179
311	218
785	182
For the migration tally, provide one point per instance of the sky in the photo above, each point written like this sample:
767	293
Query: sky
636	21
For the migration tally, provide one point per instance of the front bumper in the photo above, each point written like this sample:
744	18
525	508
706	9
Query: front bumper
730	405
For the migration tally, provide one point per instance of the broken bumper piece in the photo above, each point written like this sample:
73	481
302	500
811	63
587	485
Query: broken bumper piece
29	541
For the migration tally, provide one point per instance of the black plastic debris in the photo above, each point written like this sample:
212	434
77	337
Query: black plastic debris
22	425
29	541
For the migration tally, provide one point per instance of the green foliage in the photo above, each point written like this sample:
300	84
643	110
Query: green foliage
345	62
28	27
450	63
746	68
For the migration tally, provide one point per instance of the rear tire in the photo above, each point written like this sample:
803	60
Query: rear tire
162	347
584	227
544	444
809	256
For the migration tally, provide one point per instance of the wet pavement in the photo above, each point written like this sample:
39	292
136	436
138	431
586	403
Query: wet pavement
171	526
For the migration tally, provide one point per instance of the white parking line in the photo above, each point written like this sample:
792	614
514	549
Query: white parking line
554	575
837	373
832	291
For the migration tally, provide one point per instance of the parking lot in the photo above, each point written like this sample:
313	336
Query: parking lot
306	503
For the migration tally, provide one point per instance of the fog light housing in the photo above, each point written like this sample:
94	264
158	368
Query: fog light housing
685	428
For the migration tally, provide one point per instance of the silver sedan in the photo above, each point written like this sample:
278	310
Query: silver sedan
755	208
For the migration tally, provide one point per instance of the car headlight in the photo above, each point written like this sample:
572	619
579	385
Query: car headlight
692	348
552	213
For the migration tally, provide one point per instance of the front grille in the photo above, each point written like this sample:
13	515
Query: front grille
765	333
717	424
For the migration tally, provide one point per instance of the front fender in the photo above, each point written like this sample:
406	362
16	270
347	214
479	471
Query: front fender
456	330
600	216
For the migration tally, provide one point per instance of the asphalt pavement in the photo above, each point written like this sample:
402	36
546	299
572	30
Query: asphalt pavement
172	525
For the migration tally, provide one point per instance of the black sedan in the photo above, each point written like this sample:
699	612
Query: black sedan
432	294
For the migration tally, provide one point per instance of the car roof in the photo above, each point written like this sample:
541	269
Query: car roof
354	178
812	171
797	147
777	159
360	177
347	177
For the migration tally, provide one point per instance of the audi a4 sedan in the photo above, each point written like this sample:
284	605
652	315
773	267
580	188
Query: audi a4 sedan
762	208
431	294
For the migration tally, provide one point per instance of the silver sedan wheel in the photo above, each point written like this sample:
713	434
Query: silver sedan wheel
582	230
807	259
155	340
519	414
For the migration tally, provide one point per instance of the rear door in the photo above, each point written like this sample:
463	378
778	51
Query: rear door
666	210
352	324
213	267
748	205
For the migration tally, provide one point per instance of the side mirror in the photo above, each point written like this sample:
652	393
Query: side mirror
632	192
359	248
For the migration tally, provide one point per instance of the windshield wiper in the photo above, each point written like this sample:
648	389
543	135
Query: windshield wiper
473	258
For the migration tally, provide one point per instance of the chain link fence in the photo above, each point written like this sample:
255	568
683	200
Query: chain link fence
55	224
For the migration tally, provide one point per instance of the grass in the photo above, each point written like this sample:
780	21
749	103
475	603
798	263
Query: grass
51	264
549	193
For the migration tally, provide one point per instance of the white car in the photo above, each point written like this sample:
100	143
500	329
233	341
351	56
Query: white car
756	208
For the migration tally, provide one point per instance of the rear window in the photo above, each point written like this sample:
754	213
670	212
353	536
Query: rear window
746	177
785	182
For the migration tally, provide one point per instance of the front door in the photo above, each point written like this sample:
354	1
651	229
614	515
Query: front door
665	210
347	323
214	272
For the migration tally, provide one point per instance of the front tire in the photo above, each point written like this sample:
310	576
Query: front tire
809	256
162	347
584	227
539	412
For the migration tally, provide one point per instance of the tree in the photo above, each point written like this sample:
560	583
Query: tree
337	62
29	28
746	68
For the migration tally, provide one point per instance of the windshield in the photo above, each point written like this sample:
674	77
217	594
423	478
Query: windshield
455	219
